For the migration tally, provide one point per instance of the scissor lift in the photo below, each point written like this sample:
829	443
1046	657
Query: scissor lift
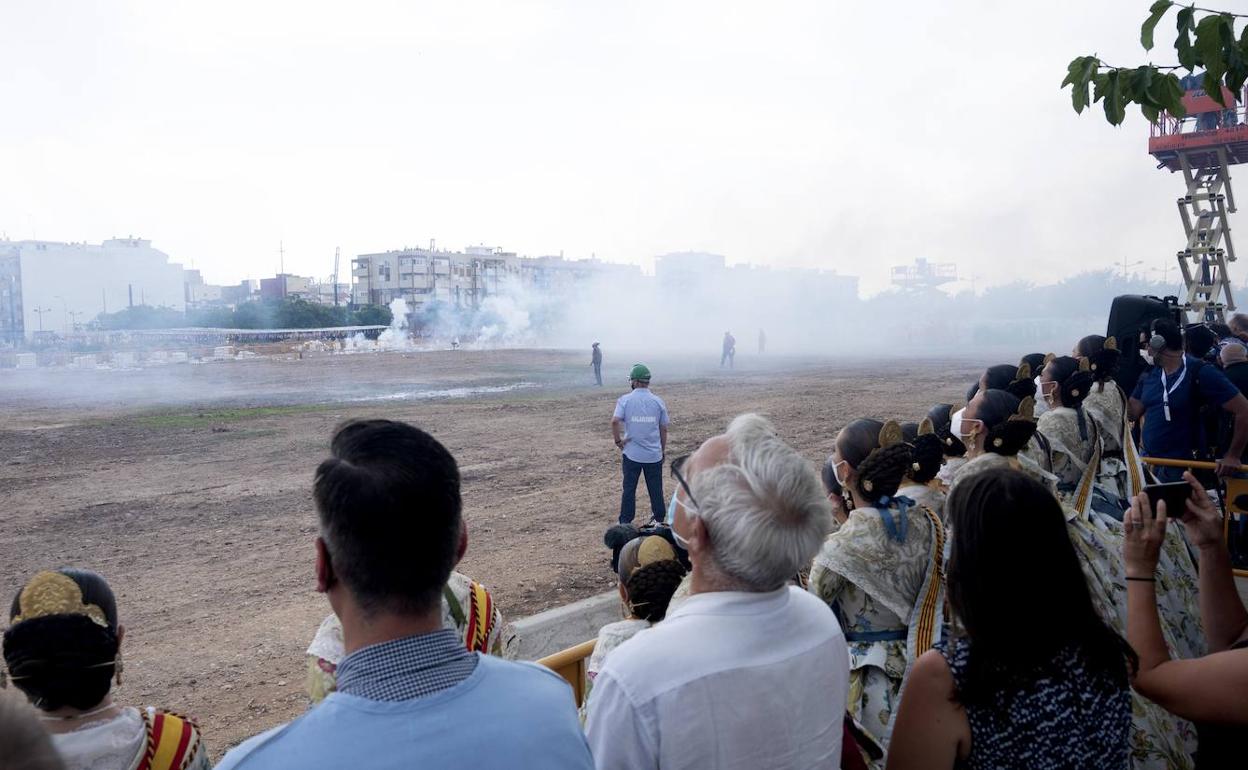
1203	146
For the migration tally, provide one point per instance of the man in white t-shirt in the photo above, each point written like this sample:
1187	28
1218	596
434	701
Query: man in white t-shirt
749	672
639	426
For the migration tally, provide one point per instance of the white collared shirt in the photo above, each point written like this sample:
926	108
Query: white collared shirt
728	680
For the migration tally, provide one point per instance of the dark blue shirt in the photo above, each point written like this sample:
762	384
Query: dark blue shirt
1177	437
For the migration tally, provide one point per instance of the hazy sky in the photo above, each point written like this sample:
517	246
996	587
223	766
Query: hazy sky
824	134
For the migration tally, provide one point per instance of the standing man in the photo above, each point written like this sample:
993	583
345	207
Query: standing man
639	426
596	362
730	350
1169	398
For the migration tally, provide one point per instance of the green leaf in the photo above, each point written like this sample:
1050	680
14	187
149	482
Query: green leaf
1150	112
1140	84
1236	67
1078	74
1115	106
1213	87
1171	95
1183	43
1157	10
1210	45
1100	81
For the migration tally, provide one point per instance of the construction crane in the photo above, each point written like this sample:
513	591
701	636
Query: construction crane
1203	146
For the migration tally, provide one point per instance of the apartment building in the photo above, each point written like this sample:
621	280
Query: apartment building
421	276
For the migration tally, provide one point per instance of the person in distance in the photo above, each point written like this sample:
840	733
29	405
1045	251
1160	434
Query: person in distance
409	693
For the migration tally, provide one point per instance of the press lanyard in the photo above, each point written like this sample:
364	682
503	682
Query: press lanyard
1166	391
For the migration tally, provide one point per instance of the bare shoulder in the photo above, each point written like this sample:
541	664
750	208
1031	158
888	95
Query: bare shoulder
932	669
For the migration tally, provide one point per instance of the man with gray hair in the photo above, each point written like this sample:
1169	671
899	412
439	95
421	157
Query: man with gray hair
1239	325
750	671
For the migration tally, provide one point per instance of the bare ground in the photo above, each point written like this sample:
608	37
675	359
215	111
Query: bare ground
188	488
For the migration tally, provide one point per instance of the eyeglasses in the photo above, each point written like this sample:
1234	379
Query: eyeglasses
677	464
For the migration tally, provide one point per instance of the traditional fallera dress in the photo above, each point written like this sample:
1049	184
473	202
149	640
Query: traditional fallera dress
882	574
467	608
147	739
927	495
1121	469
1159	740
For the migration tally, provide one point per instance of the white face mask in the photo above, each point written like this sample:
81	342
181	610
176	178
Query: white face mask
1148	356
955	423
836	471
671	521
1041	406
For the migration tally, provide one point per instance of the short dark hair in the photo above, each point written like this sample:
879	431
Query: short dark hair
390	511
1170	332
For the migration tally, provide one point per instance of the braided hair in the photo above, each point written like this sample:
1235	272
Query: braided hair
927	453
1103	356
1023	385
65	660
941	416
1007	422
1073	382
880	469
650	588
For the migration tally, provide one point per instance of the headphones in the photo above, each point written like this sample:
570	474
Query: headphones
1156	342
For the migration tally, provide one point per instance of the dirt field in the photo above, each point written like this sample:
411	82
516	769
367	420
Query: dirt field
187	487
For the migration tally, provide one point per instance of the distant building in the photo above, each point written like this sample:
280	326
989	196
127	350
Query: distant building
55	287
422	276
924	274
556	273
285	285
243	291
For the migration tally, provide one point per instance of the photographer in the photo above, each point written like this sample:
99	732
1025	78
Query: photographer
1169	398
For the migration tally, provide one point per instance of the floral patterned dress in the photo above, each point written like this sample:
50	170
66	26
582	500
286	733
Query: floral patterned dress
879	586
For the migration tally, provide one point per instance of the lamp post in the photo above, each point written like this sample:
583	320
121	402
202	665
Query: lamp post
40	311
1136	263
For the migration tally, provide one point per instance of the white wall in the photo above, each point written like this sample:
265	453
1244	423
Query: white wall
80	278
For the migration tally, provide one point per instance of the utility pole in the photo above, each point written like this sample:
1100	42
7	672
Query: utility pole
40	311
337	254
281	259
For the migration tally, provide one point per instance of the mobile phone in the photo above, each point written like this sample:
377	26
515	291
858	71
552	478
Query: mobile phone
1175	493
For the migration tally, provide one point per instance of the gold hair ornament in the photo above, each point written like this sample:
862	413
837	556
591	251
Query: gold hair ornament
51	593
1085	365
1111	343
1049	358
926	427
654	549
1023	373
890	434
1026	410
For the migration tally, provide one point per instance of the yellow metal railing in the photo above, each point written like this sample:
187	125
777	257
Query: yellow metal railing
570	664
1235	488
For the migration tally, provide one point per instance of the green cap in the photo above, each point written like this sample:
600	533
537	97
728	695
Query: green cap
639	372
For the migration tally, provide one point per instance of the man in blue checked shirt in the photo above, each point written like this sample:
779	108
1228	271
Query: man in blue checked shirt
409	693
